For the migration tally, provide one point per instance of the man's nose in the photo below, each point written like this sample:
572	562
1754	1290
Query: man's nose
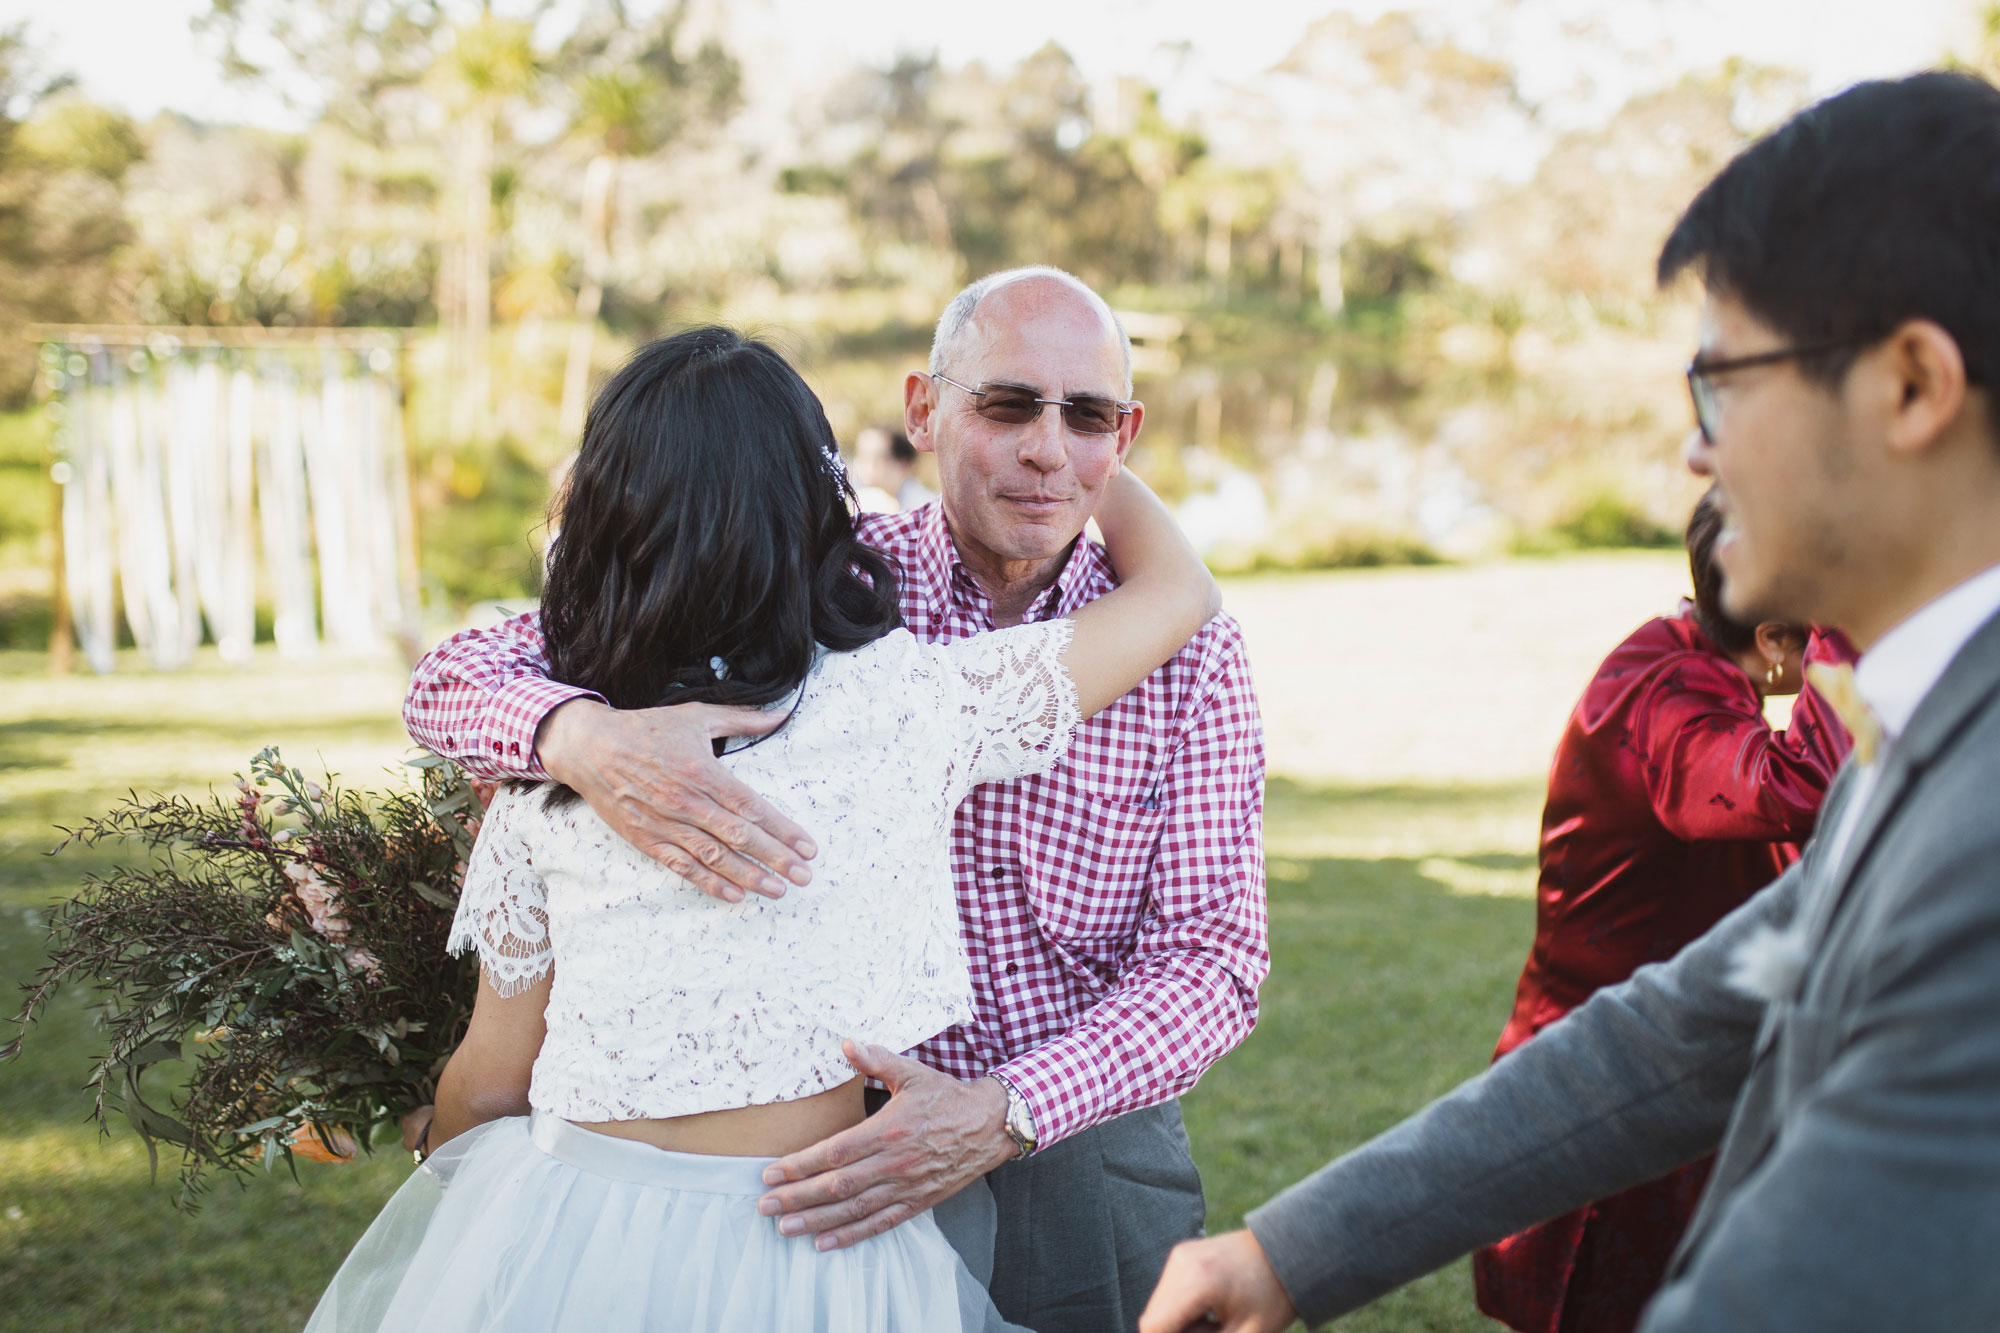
1044	442
1698	454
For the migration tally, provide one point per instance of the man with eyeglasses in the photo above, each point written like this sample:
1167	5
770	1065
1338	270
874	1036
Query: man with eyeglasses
1112	910
1838	1036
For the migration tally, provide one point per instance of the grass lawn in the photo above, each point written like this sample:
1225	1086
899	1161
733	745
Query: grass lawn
1398	924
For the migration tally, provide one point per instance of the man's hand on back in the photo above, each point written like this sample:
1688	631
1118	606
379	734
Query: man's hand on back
652	775
936	1135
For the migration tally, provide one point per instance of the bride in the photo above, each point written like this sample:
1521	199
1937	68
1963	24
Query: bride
638	1051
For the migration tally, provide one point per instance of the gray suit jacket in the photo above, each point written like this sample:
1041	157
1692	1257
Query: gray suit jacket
1858	1186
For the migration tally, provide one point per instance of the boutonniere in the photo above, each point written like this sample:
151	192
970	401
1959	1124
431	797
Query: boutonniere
1834	682
1771	963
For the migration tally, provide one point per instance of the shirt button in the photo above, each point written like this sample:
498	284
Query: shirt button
449	742
996	872
496	747
1012	968
514	748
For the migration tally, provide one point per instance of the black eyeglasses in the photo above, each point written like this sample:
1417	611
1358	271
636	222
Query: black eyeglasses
1013	405
1703	392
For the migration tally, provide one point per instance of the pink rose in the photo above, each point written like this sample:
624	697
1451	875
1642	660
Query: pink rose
367	964
320	899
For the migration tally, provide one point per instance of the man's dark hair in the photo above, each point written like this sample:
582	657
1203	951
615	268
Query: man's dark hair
706	519
1876	206
1704	526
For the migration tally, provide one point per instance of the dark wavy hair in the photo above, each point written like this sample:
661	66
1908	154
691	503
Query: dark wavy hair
1704	527
705	542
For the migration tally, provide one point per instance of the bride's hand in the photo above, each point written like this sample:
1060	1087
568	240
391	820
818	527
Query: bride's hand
651	774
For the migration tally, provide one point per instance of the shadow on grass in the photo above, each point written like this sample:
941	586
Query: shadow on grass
1387	990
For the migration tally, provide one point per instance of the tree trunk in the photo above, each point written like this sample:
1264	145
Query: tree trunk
1332	293
1216	260
600	182
473	381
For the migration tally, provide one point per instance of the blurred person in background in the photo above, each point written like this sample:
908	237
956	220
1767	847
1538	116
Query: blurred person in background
1112	910
885	472
1671	801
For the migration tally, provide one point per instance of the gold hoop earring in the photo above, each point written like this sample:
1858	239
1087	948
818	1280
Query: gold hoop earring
1773	673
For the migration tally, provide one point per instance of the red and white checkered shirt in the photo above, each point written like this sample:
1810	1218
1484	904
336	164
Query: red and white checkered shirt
1112	908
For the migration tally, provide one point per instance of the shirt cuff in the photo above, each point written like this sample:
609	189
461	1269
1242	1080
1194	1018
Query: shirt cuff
514	714
1058	1108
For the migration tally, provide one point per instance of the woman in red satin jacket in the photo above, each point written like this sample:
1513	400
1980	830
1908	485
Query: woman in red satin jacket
1670	802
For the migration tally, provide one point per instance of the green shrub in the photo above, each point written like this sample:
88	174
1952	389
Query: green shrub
1608	520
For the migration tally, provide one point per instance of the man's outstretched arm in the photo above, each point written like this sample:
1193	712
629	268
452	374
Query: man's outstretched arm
1638	1081
483	700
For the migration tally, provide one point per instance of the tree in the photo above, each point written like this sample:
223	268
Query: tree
632	94
490	66
376	67
344	59
62	214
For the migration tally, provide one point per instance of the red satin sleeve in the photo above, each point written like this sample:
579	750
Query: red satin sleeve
1716	771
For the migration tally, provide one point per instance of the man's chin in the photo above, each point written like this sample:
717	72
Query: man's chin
1749	601
1040	537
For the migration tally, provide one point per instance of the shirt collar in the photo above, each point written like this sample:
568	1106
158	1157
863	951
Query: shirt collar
945	575
1896	674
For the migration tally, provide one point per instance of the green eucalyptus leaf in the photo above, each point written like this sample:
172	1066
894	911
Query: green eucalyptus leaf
433	896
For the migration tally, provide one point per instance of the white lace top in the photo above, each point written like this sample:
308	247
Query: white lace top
668	1002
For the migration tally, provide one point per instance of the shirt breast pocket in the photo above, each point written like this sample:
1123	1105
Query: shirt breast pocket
1087	875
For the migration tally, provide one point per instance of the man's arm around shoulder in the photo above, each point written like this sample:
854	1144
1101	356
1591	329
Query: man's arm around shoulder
483	700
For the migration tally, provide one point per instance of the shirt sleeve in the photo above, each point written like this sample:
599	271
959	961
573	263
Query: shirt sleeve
503	903
1187	993
1715	769
1009	702
478	698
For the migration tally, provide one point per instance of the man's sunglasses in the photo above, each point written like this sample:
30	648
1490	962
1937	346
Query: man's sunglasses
1012	405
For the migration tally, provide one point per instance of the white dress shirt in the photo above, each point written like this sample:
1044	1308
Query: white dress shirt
1895	675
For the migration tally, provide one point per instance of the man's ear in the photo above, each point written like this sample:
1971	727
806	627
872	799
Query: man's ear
919	401
1925	374
1128	431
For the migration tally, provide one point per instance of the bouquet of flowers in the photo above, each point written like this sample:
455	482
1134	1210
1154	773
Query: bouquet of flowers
287	942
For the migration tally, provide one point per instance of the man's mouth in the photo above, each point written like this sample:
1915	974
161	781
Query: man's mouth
1730	529
1039	502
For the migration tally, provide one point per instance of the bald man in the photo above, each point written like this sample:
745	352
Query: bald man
1112	910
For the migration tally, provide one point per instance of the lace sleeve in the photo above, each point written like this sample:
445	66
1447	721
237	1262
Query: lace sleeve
503	904
1013	706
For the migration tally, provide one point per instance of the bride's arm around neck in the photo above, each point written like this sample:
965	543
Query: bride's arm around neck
1164	596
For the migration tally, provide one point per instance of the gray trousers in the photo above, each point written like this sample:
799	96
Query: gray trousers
1072	1239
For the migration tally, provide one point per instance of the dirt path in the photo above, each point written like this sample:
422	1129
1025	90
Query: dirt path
1459	674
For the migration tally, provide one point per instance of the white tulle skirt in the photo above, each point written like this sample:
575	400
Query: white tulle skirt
535	1224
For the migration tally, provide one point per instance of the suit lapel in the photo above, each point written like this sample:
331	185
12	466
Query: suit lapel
1970	680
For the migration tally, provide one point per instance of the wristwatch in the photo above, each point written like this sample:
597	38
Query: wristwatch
1020	1122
